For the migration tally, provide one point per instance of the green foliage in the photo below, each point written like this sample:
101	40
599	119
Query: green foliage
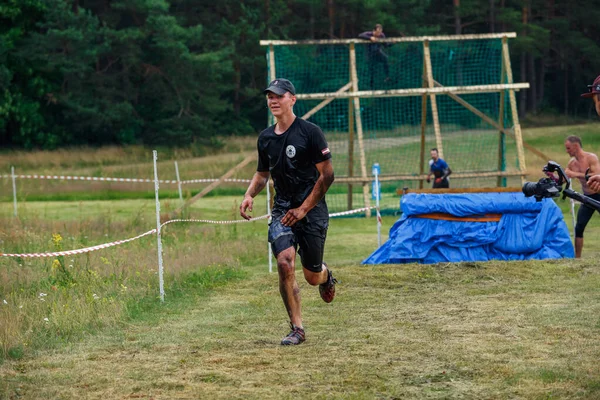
175	72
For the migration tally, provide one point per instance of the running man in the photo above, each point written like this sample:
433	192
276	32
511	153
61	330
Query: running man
295	153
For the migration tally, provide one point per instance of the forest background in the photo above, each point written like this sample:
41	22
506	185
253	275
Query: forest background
184	72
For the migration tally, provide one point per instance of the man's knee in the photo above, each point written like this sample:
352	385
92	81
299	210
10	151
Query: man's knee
313	278
285	262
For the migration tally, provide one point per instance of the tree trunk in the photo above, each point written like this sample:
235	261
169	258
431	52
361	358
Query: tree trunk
331	12
523	93
541	81
311	21
268	17
533	89
503	25
523	69
492	16
566	89
457	23
238	86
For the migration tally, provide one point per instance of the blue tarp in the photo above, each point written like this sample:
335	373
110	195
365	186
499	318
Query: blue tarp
527	230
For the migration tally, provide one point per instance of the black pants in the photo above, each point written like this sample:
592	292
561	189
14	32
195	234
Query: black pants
377	59
584	215
444	184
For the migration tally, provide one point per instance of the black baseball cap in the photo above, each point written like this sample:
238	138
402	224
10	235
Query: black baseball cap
280	86
593	89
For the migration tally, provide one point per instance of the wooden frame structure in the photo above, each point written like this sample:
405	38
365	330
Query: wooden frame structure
429	90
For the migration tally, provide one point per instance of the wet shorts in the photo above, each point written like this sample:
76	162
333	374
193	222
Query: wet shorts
306	234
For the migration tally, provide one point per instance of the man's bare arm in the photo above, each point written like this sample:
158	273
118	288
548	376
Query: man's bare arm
258	183
571	171
593	164
325	180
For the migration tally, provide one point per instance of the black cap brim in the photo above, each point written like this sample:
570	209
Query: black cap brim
275	89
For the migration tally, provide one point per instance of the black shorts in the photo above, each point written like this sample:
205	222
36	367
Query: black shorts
307	234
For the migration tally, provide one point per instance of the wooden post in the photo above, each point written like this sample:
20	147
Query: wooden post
502	137
434	109
423	124
514	111
272	76
359	131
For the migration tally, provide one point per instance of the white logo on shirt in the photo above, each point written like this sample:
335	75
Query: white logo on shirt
290	151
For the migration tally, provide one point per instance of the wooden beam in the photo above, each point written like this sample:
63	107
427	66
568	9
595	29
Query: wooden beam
434	109
513	108
423	124
415	91
322	104
359	131
460	190
406	39
501	135
215	184
413	177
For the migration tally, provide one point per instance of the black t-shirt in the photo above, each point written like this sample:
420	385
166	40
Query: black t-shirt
290	158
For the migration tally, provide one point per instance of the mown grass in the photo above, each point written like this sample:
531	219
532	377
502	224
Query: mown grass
465	330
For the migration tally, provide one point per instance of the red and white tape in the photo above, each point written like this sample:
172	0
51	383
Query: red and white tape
78	251
109	179
118	242
349	212
152	231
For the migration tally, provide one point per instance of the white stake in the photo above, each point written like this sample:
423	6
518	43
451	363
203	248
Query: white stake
269	219
376	170
178	182
14	184
161	283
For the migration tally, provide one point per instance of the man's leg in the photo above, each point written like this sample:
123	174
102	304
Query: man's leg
311	240
578	246
288	286
583	217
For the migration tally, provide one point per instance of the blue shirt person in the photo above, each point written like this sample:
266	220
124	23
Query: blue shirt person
439	169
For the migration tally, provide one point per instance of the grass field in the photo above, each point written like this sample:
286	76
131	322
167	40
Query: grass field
92	326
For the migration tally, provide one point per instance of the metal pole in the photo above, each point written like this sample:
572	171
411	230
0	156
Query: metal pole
178	181
269	219
14	185
376	170
161	283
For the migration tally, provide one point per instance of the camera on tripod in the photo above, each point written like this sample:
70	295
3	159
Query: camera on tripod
552	186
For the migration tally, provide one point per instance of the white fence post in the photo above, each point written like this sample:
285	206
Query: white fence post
178	182
14	185
160	260
376	171
269	219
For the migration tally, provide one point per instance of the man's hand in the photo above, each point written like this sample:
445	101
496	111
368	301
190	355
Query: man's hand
373	38
247	204
438	180
594	183
292	216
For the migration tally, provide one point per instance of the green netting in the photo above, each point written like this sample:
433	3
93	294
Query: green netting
392	125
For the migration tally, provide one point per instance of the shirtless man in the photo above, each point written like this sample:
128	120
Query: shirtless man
577	167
